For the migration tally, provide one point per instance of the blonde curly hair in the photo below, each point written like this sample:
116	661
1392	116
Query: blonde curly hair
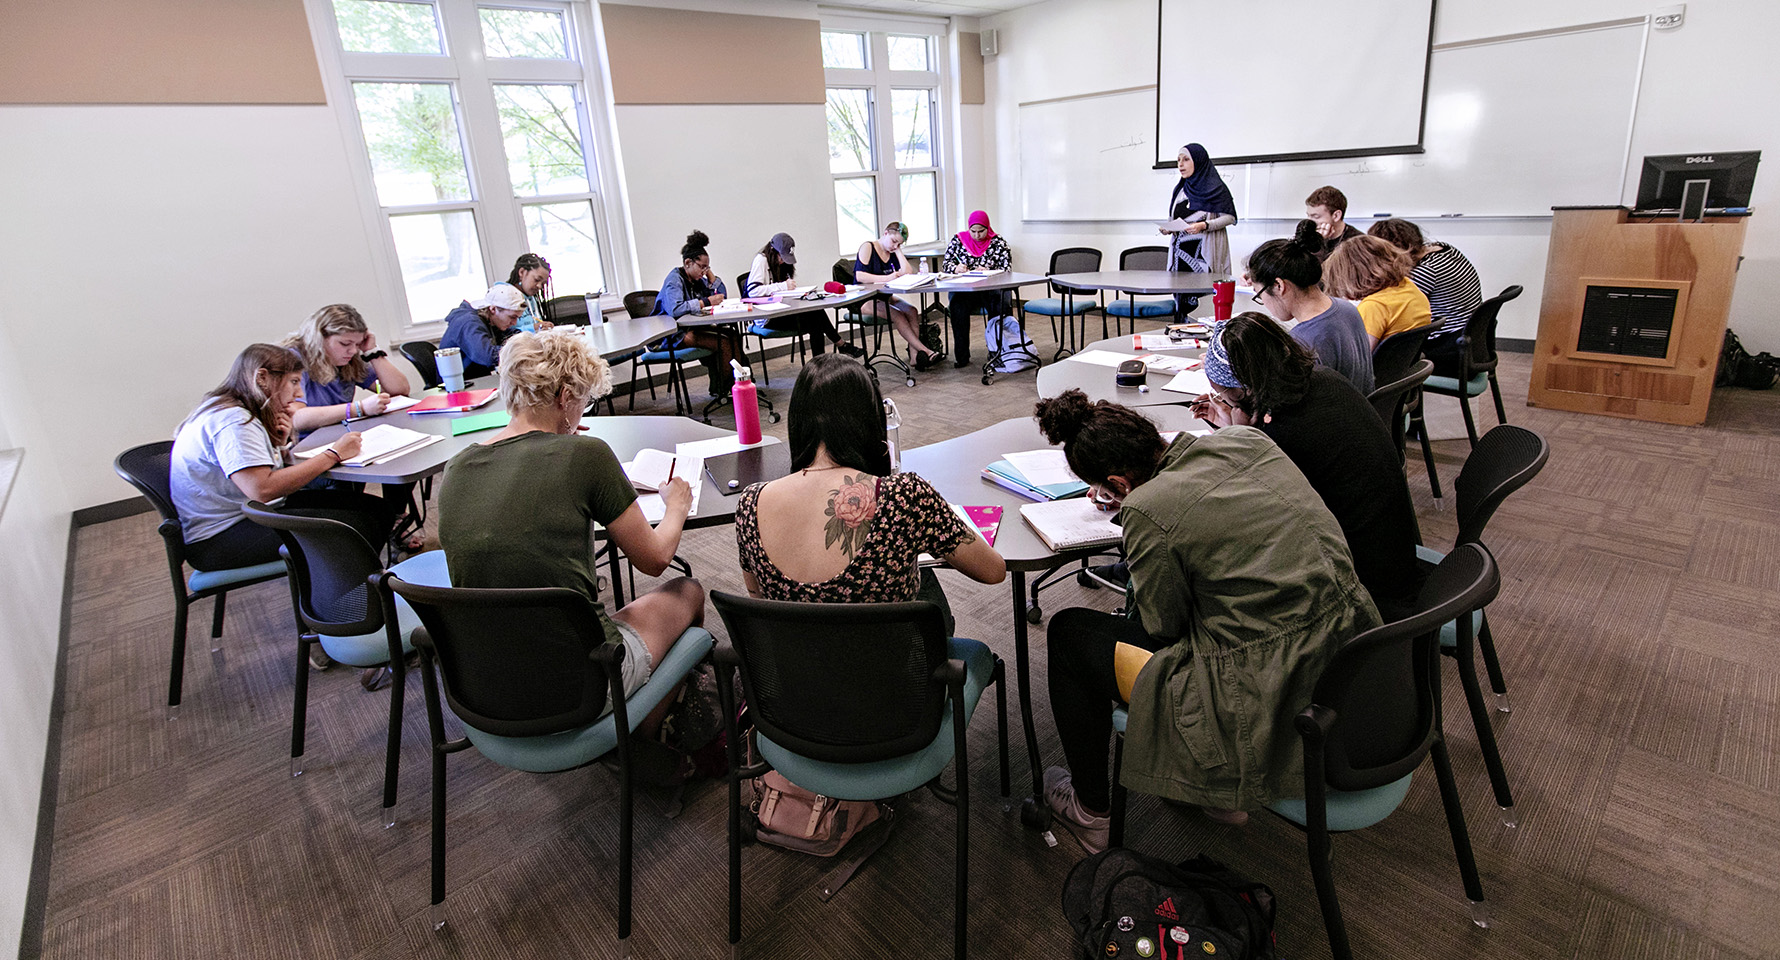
537	367
310	343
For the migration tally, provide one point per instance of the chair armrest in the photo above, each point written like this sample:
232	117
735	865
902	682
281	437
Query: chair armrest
609	654
1314	723
724	655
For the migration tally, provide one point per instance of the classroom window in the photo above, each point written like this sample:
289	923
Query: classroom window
475	158
524	34
888	83
388	26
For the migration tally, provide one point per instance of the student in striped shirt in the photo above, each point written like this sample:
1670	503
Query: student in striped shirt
1449	280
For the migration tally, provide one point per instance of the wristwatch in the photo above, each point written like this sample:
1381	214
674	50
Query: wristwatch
373	355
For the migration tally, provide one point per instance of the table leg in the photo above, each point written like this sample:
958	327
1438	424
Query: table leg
1033	811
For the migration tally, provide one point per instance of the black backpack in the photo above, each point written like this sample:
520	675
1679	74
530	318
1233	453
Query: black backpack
1736	368
1127	906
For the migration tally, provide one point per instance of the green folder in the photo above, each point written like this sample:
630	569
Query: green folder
481	421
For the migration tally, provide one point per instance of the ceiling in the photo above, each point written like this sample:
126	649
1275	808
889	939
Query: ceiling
941	8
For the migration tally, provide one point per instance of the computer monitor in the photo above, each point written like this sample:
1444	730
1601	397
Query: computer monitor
1729	177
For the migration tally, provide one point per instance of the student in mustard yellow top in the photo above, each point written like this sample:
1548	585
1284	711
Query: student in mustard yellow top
1375	275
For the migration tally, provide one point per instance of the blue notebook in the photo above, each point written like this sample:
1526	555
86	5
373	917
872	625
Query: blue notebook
1003	473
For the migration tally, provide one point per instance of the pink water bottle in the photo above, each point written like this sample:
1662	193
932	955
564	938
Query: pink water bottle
747	405
1223	296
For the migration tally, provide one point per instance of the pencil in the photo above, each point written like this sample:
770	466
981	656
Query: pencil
672	464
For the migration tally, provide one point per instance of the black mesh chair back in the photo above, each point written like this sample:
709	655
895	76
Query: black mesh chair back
1072	260
572	310
1392	400
332	566
149	468
843	271
1396	354
1480	332
1144	258
1503	461
840	682
514	662
420	353
640	303
1382	687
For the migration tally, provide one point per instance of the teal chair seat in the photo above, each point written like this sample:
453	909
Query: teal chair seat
202	580
572	748
372	649
675	353
873	781
1449	386
1349	811
1141	308
1055	307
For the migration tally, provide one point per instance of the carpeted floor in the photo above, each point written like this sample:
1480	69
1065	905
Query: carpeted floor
1636	624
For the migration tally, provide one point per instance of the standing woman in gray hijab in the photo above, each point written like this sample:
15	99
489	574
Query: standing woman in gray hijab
1199	210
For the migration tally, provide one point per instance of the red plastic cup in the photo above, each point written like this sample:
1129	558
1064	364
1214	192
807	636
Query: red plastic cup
1223	297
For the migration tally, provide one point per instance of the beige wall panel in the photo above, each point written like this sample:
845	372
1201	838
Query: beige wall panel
970	68
157	51
684	56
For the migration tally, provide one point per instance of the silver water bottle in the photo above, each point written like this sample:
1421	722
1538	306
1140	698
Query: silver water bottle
892	425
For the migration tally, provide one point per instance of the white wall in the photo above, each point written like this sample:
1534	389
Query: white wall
1698	82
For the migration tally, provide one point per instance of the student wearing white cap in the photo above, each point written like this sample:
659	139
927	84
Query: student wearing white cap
479	327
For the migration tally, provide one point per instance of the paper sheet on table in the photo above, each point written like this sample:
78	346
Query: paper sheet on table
655	508
1166	364
1189	381
648	470
717	446
1042	468
1101	358
770	306
396	404
1157	341
382	442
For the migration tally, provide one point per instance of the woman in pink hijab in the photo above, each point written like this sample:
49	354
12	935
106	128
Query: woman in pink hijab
976	248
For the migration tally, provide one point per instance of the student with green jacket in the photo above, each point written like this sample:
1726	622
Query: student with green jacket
1241	587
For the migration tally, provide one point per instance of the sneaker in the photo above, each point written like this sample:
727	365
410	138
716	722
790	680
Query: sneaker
1229	818
850	349
374	678
1089	830
318	658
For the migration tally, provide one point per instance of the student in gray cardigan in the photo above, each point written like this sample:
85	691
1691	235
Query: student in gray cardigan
1287	277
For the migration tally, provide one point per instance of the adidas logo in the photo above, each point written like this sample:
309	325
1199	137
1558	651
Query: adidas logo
1166	911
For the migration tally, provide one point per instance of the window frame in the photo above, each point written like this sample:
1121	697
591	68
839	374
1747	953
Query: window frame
497	211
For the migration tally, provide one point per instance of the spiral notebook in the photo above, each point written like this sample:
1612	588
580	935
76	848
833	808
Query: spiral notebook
1071	524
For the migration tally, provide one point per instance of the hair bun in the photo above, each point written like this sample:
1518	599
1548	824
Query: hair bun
697	238
1306	235
1061	417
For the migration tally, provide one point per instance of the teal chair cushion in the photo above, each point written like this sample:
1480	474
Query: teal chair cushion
678	353
1449	631
1142	308
572	748
372	649
887	778
202	580
1350	811
1053	306
765	332
1121	716
1449	386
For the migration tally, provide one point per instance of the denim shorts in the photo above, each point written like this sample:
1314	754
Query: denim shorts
637	665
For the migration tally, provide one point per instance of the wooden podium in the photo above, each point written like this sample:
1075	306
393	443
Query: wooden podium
1634	313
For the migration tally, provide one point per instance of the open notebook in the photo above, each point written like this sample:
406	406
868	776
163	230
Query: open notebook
1071	524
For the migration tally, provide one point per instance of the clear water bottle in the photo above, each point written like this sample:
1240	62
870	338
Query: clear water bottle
892	425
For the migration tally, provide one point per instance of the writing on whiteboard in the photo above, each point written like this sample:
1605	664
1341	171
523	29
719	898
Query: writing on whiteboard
1135	141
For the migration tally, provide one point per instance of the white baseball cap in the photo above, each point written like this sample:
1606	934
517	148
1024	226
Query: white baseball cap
503	295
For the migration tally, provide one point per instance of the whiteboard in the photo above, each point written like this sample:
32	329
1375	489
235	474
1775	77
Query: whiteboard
1515	126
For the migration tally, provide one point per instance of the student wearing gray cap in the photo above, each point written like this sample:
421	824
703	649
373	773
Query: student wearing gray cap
775	271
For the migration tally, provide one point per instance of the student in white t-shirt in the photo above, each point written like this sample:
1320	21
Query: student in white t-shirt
235	448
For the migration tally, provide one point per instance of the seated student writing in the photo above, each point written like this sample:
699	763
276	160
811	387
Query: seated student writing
692	289
775	271
1287	278
1327	208
1375	275
877	262
492	539
531	275
479	327
235	447
977	248
1242	586
1450	282
1262	377
340	357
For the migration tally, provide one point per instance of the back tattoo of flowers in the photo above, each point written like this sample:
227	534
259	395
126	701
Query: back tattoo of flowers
850	509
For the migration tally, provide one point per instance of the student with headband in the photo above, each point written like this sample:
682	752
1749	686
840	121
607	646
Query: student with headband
978	247
878	261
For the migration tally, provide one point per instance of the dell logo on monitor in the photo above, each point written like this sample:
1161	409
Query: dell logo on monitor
1702	159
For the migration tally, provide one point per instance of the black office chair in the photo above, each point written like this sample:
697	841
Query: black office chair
854	701
641	303
1065	304
1137	258
148	469
529	676
1392	360
331	571
1477	361
570	310
1505	460
420	353
1392	401
762	333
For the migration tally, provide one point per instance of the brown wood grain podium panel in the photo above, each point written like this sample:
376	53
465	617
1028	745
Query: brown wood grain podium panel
1608	246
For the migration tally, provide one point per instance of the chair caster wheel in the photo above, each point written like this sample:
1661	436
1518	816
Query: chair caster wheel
985	381
909	382
1082	578
1033	613
775	416
1035	814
